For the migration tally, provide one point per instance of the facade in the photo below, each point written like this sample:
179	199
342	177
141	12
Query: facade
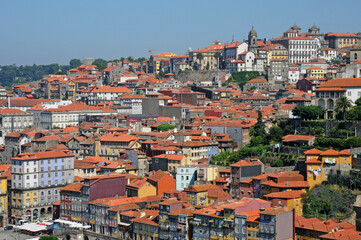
13	120
36	178
197	195
301	49
75	198
140	188
106	94
237	129
4	201
277	224
290	199
328	93
243	170
186	176
257	84
109	146
320	164
341	40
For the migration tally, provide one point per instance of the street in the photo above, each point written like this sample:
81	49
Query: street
11	235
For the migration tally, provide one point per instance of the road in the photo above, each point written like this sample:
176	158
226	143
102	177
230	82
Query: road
11	235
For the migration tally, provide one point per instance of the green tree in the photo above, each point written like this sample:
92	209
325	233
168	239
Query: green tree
100	63
131	59
241	77
165	127
48	237
140	59
275	134
355	112
259	129
200	57
326	201
217	56
343	104
308	112
256	141
74	63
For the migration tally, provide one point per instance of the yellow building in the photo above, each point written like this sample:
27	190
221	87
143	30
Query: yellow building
290	199
159	61
145	226
197	195
341	40
71	90
140	188
109	146
320	164
315	72
252	224
3	200
29	200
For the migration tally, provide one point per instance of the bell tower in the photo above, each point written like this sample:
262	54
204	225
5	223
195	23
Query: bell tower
252	41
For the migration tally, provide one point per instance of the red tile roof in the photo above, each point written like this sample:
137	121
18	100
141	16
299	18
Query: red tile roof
292	138
43	155
286	194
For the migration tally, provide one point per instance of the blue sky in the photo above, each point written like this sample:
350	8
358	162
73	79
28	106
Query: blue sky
50	31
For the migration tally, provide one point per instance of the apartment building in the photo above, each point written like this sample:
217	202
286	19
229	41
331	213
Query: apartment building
36	179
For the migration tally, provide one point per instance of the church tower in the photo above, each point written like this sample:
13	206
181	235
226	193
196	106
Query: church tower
252	41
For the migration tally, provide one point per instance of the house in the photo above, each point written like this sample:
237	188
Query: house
257	84
320	164
283	181
169	162
36	178
323	229
162	181
276	223
110	145
328	93
185	177
197	195
13	120
140	188
290	199
241	171
237	129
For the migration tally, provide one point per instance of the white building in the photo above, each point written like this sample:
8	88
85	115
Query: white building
293	75
329	54
234	49
36	179
13	120
301	49
328	93
70	115
132	101
186	176
106	94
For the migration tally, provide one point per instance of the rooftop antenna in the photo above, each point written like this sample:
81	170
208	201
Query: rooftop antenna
232	38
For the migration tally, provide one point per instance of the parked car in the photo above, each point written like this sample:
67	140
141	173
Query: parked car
8	228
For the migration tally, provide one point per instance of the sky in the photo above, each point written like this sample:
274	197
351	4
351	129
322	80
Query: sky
50	31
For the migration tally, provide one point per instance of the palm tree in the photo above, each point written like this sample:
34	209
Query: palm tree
343	104
200	57
217	56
